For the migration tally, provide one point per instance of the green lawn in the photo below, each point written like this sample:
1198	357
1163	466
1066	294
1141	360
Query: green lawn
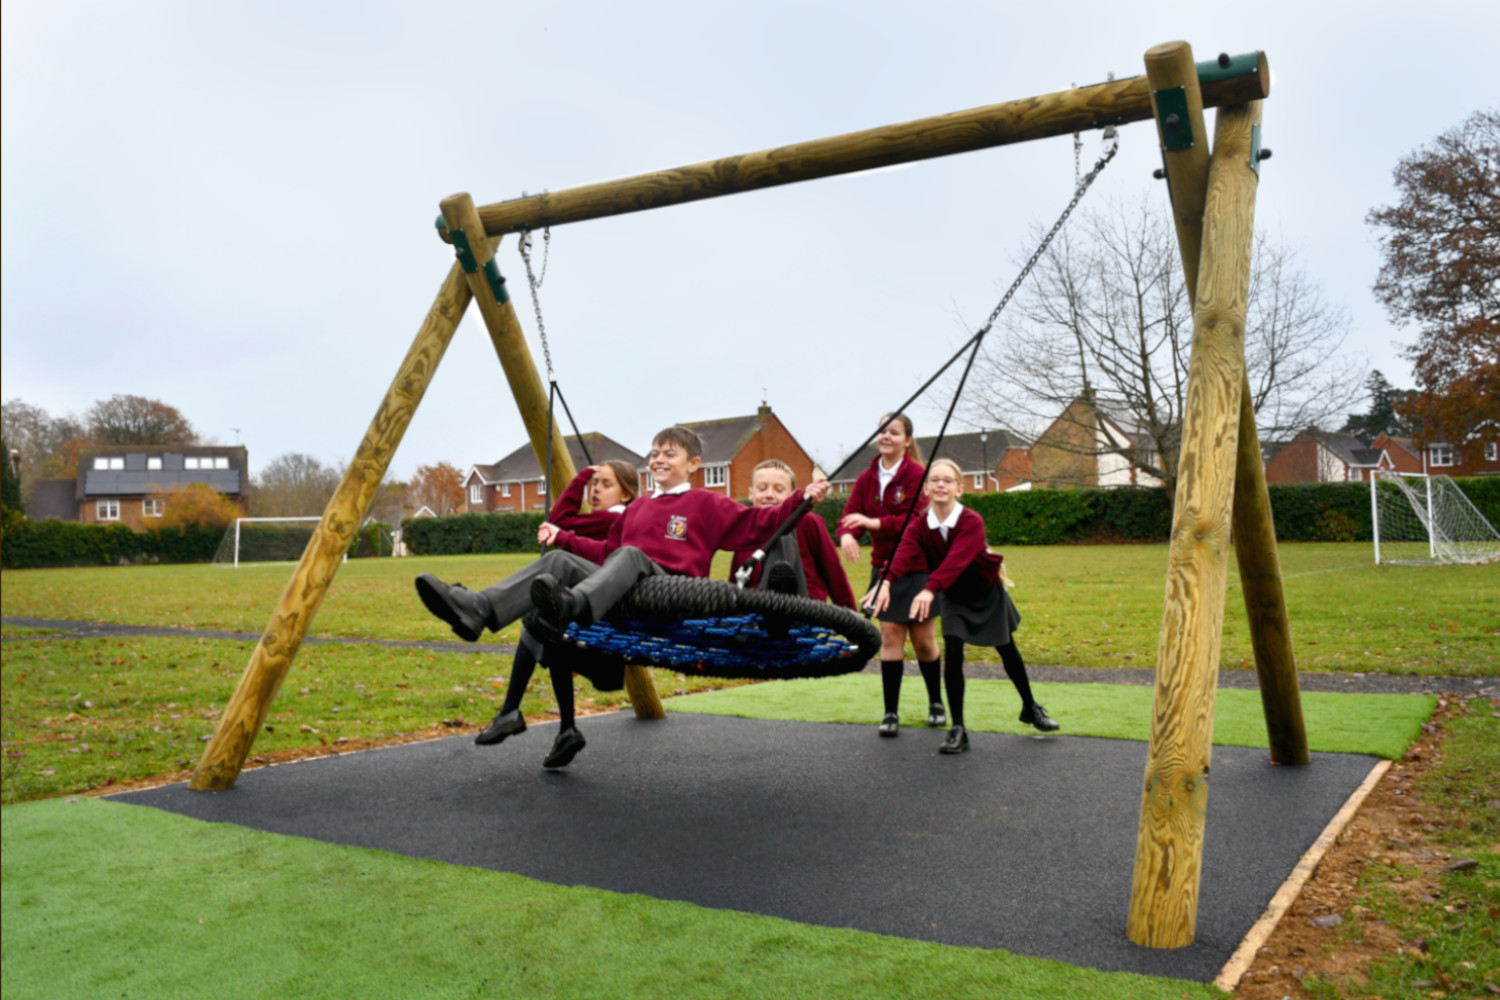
1093	606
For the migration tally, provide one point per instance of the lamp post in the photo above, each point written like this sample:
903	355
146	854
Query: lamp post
984	444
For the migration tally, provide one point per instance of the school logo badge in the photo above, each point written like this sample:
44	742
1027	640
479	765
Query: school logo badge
900	493
677	527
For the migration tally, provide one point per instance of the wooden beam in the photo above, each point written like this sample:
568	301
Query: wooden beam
1174	800
273	655
1116	102
1171	65
488	287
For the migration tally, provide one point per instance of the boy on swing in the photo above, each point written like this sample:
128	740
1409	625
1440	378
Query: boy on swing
674	530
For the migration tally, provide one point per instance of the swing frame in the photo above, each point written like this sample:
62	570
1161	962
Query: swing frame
1223	480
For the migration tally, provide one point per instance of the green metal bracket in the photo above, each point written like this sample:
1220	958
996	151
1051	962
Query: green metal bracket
1227	67
1255	149
497	281
464	252
1172	113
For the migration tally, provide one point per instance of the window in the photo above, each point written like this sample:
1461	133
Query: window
979	481
1491	451
1442	455
476	494
190	463
713	475
117	463
505	489
221	463
108	510
101	463
648	484
154	462
154	507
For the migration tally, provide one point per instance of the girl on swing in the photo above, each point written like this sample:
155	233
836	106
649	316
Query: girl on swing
878	504
964	579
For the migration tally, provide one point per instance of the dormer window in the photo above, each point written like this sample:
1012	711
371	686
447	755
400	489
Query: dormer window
153	462
189	463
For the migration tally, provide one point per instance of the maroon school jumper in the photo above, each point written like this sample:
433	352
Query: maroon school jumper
680	532
820	564
961	558
865	499
565	513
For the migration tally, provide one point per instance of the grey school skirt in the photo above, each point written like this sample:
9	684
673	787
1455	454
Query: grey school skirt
903	592
979	616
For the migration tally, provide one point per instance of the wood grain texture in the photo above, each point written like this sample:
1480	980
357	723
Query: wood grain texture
1060	113
1254	529
1174	800
531	398
246	712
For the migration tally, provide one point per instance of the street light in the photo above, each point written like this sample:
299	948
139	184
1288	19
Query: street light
984	444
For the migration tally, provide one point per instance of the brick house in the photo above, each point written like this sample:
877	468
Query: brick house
1074	450
514	483
132	484
990	460
734	446
1316	456
1478	455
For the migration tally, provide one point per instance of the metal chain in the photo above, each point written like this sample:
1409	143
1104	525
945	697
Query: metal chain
1077	158
535	282
1112	141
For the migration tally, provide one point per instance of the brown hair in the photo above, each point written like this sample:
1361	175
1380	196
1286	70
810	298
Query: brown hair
627	476
913	450
687	440
776	463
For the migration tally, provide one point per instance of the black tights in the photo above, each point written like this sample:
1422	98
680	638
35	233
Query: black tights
953	669
890	682
521	669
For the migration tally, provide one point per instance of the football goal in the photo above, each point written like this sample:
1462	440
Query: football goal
1423	519
264	540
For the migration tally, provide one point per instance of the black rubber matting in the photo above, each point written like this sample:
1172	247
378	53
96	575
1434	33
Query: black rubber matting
1025	843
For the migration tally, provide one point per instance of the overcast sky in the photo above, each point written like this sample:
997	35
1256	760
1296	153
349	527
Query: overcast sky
229	207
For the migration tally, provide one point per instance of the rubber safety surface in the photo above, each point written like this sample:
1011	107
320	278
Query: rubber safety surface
1024	843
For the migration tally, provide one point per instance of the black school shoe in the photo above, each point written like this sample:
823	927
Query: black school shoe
556	608
502	725
957	741
1035	715
455	604
565	748
890	725
937	716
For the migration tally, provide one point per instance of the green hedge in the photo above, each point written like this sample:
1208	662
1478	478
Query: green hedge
34	544
456	534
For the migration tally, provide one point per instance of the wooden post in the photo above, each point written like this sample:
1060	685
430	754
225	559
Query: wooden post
1115	102
1169	846
488	287
1167	66
273	655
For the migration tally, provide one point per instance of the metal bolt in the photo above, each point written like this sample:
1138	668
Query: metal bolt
1223	60
1172	121
1159	174
1265	154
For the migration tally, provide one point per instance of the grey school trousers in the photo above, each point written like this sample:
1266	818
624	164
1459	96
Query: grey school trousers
601	586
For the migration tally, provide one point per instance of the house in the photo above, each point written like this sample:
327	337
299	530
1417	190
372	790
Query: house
131	484
1081	449
514	483
53	500
990	460
1316	456
733	447
1478	455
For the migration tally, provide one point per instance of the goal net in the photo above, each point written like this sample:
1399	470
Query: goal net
1422	520
265	540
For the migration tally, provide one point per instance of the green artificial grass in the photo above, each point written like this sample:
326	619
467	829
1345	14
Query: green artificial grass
103	899
1093	606
1379	724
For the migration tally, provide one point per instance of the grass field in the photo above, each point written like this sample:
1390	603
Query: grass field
1092	606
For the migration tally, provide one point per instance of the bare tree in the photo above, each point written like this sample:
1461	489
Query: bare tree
1095	349
293	485
124	419
42	441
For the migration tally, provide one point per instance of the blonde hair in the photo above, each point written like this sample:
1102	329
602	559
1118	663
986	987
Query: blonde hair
958	473
913	450
776	463
627	476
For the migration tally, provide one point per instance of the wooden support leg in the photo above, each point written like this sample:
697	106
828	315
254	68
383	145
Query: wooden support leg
246	711
1171	66
467	234
1169	845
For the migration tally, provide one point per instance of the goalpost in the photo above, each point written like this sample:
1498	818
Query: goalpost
267	540
1424	520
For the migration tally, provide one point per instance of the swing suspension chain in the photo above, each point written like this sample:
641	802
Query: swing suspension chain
536	282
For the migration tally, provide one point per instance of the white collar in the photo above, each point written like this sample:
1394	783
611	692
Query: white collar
948	523
674	491
618	508
891	472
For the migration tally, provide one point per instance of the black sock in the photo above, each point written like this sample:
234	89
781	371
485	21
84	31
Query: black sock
1015	669
932	676
521	669
953	669
562	688
890	683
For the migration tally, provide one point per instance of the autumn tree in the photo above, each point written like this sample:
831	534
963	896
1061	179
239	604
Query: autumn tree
137	420
1440	270
196	504
293	485
48	445
439	487
1104	327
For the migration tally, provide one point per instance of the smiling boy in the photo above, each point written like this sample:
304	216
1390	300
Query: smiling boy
676	530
